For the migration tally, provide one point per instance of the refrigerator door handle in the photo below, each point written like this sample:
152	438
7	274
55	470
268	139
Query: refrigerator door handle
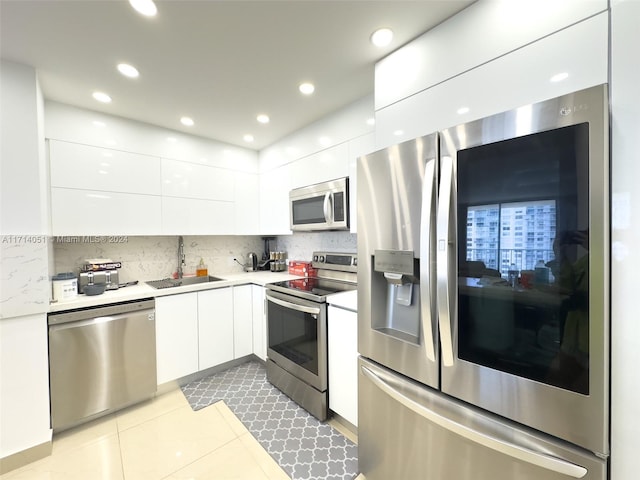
426	271
443	259
518	452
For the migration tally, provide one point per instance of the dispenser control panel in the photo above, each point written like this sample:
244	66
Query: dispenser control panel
394	261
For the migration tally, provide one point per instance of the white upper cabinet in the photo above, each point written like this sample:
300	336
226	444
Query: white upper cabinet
479	34
247	204
94	168
189	216
274	201
323	166
91	212
191	180
511	81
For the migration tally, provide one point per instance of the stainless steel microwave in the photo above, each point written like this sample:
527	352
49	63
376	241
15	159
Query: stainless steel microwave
323	206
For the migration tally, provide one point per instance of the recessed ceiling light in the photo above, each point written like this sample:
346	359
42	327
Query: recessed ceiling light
128	70
397	133
382	37
248	138
462	110
102	97
144	7
559	77
99	124
371	121
187	121
172	139
262	118
306	88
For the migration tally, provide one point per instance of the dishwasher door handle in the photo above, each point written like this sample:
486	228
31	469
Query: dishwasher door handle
99	320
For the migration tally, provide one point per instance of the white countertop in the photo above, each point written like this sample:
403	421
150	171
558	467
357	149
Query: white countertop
347	300
142	290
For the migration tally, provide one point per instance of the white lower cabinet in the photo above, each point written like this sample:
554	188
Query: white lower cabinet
242	321
259	322
176	336
200	330
342	338
215	327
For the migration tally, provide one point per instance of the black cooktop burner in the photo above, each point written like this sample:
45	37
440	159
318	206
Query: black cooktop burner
311	287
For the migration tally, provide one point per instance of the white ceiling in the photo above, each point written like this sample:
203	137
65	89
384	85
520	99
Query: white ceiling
218	62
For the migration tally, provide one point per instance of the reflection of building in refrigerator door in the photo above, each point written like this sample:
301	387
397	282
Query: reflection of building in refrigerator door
511	233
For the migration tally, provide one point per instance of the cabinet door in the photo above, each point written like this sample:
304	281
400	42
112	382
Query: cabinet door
242	321
259	323
215	327
190	180
247	204
323	166
176	336
274	201
86	167
343	363
192	216
89	212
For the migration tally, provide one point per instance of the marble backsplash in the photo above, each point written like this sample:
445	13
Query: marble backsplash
154	257
300	246
25	287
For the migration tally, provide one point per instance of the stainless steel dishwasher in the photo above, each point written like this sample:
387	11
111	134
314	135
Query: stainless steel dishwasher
100	359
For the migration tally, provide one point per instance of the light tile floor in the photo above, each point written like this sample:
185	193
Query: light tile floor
158	439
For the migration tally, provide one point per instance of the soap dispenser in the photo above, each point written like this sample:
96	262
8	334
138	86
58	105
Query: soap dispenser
201	269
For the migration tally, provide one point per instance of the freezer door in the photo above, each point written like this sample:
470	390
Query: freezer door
407	431
523	266
397	323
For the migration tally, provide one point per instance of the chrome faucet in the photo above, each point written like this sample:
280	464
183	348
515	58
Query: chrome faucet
180	256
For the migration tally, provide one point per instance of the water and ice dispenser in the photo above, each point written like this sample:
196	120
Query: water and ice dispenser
395	294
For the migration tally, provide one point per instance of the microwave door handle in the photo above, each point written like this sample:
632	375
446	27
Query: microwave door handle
328	207
426	249
445	247
512	449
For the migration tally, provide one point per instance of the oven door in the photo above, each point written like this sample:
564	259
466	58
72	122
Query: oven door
297	337
523	270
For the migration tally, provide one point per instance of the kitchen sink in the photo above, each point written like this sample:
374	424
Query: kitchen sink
181	282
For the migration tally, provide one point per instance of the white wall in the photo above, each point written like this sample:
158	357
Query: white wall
625	263
23	194
24	262
24	384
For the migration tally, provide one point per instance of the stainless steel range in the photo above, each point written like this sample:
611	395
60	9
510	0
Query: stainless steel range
297	329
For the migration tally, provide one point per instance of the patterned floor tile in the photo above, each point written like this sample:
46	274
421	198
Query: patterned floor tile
304	447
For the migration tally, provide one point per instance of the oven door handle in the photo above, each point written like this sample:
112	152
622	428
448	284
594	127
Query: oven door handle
294	306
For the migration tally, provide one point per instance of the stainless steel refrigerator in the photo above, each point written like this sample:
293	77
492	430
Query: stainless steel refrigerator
483	303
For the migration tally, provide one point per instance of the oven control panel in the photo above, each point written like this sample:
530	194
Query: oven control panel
346	262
